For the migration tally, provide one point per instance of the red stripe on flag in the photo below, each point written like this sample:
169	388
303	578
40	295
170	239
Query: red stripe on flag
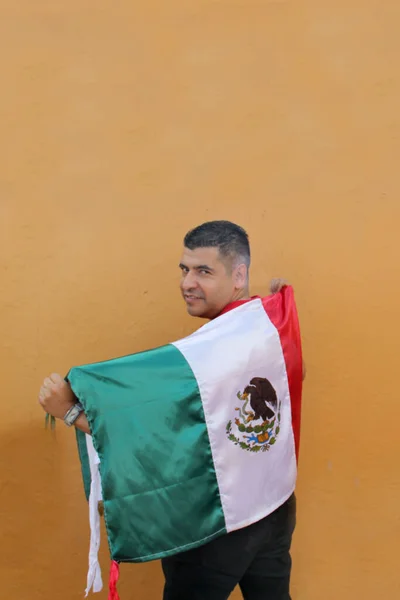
281	309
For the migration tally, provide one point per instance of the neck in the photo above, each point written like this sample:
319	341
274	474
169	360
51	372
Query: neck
242	294
236	297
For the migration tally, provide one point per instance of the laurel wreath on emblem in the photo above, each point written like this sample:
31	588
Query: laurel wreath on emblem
252	436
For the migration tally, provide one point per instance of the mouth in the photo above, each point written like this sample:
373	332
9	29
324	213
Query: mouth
189	298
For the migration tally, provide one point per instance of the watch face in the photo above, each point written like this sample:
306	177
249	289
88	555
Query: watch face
73	414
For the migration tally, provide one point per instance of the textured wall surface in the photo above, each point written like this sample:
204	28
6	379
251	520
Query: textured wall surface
123	124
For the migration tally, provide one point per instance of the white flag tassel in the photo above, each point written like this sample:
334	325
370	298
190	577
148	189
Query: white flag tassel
94	579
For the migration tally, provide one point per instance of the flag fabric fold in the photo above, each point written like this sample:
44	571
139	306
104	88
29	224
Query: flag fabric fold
198	437
94	579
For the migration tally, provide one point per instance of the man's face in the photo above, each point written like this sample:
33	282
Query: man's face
208	282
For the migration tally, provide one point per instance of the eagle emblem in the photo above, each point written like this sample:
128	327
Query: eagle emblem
257	424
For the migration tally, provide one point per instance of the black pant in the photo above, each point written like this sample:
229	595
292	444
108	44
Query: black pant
256	557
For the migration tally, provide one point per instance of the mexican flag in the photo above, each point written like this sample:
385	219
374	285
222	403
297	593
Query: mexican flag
193	439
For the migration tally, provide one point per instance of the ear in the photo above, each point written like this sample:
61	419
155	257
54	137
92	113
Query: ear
241	276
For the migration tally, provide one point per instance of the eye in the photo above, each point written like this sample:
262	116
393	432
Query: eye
204	272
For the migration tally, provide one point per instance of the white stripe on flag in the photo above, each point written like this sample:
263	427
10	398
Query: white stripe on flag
224	355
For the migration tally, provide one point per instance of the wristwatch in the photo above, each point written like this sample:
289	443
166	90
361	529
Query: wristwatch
73	414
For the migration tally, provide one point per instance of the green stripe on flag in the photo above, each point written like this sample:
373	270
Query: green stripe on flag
159	486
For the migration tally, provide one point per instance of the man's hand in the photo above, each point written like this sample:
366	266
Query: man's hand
56	396
277	284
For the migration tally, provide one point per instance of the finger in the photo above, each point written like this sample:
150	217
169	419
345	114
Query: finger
277	284
47	383
274	285
56	378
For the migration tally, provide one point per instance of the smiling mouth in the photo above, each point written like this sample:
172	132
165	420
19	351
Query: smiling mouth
190	298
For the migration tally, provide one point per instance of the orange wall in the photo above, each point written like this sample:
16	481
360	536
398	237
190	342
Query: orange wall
123	125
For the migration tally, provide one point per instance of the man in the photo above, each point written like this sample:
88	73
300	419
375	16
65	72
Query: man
215	278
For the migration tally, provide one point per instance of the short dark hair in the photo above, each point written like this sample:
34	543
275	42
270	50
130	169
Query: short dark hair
231	240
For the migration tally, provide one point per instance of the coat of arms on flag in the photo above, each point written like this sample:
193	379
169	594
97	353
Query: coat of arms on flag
258	401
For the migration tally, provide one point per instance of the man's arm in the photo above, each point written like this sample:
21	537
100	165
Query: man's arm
56	398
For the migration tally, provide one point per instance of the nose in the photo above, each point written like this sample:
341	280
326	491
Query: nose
189	282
